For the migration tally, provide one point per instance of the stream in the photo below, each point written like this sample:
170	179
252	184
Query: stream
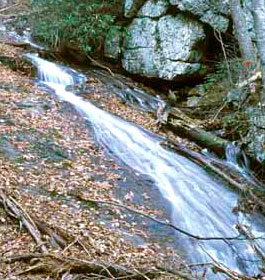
200	204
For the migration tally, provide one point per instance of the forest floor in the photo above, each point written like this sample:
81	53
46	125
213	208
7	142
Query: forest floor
51	169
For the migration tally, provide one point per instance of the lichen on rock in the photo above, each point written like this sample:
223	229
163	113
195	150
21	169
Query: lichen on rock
165	49
153	8
214	14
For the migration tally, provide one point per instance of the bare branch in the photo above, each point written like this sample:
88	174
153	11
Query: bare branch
238	237
10	7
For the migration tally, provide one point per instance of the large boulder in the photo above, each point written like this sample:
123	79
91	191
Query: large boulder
215	13
153	8
167	48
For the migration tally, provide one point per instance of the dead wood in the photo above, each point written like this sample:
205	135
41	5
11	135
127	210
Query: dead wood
197	237
17	211
183	275
34	226
100	65
55	264
23	258
15	44
253	78
217	168
10	7
56	240
184	126
220	267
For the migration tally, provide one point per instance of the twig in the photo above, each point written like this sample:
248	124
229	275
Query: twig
224	269
74	265
100	65
24	258
218	112
70	245
242	229
183	275
10	7
82	245
219	38
32	268
140	273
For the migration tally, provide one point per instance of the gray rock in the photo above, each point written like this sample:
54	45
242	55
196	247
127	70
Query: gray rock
237	96
141	34
113	42
141	61
165	49
131	7
153	8
215	13
177	37
256	136
173	69
216	21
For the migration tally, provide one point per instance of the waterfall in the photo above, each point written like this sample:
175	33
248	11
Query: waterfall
200	204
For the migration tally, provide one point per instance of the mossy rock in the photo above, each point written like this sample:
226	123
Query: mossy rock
49	151
6	148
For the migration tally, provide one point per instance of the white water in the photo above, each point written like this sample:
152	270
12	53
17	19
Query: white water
200	204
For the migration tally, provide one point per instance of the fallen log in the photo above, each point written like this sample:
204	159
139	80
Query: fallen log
15	44
55	264
186	127
227	174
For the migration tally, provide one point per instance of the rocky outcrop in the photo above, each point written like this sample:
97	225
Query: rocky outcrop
164	49
165	43
153	9
213	14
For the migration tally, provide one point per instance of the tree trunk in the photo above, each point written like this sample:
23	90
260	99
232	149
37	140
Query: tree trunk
242	34
258	7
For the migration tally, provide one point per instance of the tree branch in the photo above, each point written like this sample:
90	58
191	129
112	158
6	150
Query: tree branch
197	237
10	7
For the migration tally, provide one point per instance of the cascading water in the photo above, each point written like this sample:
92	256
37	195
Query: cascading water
200	204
